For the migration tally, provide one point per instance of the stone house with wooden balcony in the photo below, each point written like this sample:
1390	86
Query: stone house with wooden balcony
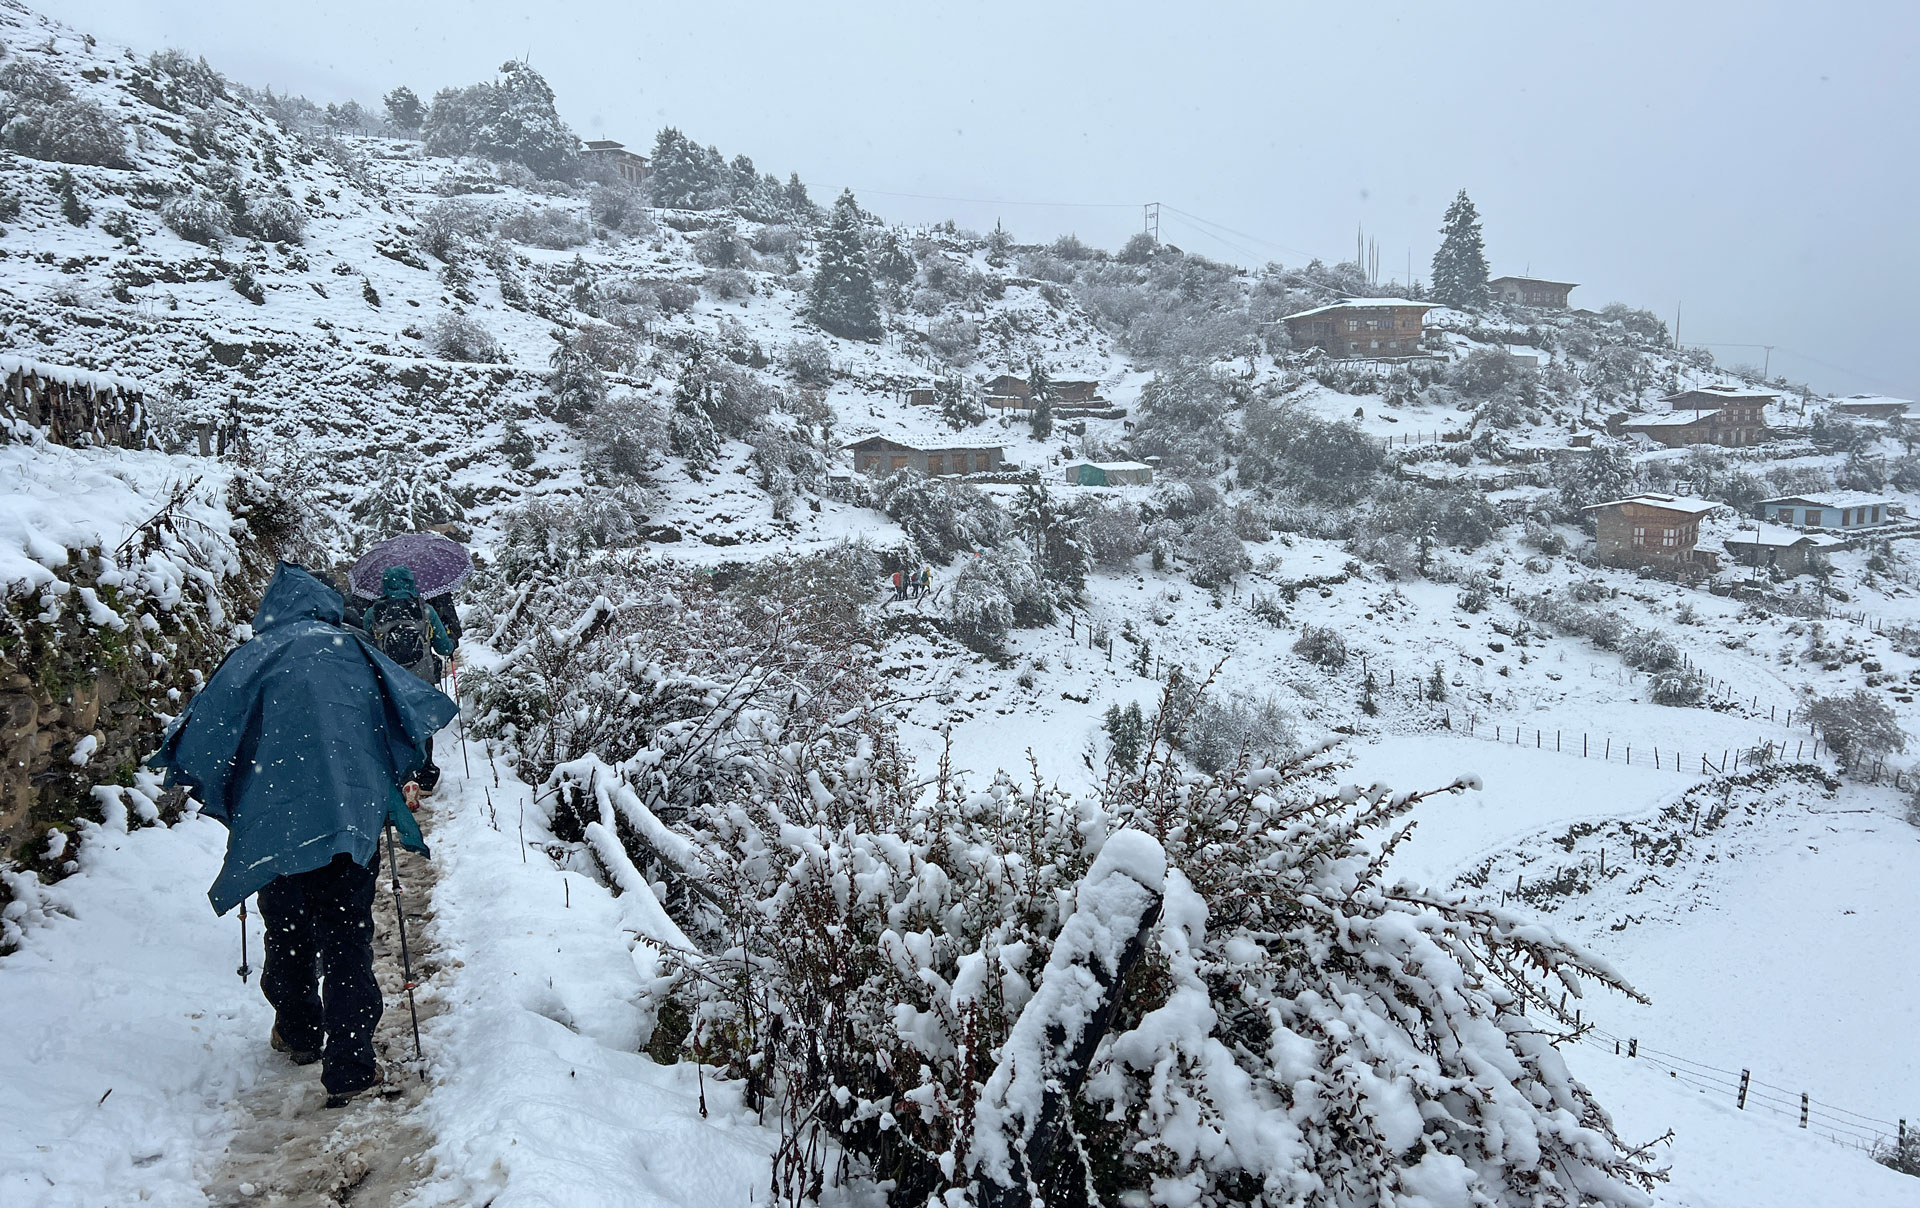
1651	530
628	166
1378	329
1709	415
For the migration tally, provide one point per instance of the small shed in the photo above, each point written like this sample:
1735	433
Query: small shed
1872	406
1790	550
881	455
1110	473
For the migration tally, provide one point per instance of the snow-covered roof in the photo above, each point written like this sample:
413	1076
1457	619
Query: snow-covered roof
1672	503
1669	419
1352	303
1870	400
1833	499
1534	281
1780	536
1725	393
924	442
1112	465
70	375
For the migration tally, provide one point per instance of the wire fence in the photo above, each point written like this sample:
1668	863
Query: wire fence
1857	1130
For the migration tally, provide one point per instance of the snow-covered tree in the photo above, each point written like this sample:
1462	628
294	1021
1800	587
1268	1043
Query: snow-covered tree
511	120
959	404
1054	534
690	429
843	301
1460	266
682	174
1040	398
405	110
575	383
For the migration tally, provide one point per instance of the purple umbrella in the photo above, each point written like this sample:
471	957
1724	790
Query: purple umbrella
438	564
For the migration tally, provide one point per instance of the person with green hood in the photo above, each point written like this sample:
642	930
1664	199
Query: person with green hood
299	744
409	631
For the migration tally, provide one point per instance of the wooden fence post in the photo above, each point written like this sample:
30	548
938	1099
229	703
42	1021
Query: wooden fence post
1741	1103
1803	1109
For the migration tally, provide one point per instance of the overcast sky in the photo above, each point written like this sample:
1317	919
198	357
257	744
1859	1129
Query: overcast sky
1754	163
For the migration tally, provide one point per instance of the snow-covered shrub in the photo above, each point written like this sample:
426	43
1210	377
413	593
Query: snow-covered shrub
461	338
1222	728
1322	646
545	226
941	517
1113	531
722	247
1649	650
1335	462
786	462
1212	551
1301	1029
776	240
511	119
810	361
276	219
996	591
727	283
620	207
197	216
623	438
955	341
574	383
71	131
1685	687
1476	594
447	225
406	494
1858	726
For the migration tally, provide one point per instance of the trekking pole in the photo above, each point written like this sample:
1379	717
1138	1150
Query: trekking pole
406	958
461	717
245	968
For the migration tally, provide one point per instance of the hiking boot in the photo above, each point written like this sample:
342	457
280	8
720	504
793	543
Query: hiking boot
342	1098
297	1056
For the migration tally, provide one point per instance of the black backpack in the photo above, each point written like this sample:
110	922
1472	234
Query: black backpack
401	629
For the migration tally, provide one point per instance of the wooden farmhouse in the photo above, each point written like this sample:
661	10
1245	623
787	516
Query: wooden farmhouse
628	166
1651	530
1828	510
1005	391
1790	551
1110	473
1532	291
1709	415
1872	406
881	456
1368	328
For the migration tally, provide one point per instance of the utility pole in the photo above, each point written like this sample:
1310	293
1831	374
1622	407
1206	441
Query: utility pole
1676	327
1150	216
1766	368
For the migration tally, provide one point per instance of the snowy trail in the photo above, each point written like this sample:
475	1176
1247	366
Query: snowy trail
287	1148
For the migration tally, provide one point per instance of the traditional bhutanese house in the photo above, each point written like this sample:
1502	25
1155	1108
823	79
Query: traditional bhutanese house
1829	509
628	166
1373	328
1790	550
1077	394
1110	473
1005	391
880	455
1643	530
1532	291
1712	415
1872	406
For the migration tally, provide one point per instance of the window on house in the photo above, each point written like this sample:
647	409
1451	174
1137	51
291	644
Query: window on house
1373	346
1639	535
1669	537
1353	346
1353	325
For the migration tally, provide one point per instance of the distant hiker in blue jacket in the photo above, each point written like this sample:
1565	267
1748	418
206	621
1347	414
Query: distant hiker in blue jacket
299	743
409	631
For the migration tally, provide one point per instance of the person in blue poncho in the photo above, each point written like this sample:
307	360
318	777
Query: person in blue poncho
299	743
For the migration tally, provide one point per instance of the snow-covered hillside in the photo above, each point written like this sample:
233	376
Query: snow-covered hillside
684	666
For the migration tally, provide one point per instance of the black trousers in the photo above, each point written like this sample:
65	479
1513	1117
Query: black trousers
319	968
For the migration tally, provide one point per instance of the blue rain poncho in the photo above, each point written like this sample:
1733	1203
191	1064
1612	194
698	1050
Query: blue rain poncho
300	741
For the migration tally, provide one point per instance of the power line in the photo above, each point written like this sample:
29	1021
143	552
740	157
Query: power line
993	201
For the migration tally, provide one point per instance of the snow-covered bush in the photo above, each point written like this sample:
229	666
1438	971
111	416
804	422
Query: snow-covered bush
1322	646
623	438
545	226
71	131
447	225
1112	531
786	462
1222	728
407	494
728	283
942	517
1858	726
810	361
1301	1029
1684	687
1649	650
276	219
955	341
722	247
461	338
996	591
1212	551
509	120
619	207
197	216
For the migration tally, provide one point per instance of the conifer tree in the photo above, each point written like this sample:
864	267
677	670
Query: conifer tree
1460	266
404	109
959	406
690	429
843	299
1040	396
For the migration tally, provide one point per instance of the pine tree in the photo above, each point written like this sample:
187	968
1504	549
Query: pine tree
678	176
404	109
959	406
1460	266
799	206
1040	398
843	300
690	429
1437	684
